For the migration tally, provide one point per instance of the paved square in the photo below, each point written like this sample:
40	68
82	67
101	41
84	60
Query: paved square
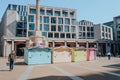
100	69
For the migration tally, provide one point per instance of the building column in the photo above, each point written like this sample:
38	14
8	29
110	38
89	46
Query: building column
87	44
65	43
53	44
4	48
77	45
12	45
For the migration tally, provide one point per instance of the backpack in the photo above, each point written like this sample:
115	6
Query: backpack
12	56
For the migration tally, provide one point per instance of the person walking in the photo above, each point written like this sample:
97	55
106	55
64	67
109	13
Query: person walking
109	55
11	59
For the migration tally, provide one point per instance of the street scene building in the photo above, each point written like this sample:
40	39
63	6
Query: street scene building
58	25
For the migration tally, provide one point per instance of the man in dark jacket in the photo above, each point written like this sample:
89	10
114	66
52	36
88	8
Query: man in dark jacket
11	59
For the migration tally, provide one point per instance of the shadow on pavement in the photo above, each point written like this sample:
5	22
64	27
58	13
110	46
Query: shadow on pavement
20	63
52	78
117	66
100	76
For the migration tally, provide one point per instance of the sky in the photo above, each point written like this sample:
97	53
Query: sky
96	11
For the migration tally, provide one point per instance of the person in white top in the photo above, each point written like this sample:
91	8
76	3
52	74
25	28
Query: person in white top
109	55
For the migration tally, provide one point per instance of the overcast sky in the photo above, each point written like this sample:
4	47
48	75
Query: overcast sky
97	11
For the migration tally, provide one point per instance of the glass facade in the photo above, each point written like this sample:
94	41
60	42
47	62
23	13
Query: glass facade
49	12
30	33
73	29
32	11
42	12
57	13
65	14
53	28
67	21
60	28
66	28
56	35
46	19
31	18
31	26
40	27
53	20
44	34
60	20
46	27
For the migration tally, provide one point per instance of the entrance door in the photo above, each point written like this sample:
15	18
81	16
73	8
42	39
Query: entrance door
20	50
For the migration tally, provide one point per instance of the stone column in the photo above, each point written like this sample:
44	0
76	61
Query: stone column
65	43
87	44
12	45
4	48
53	44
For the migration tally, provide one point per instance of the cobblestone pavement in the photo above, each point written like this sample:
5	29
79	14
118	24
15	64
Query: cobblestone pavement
100	69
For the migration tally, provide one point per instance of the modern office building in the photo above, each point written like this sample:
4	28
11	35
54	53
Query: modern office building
98	35
115	24
58	25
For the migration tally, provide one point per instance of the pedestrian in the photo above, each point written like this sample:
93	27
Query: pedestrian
109	55
11	59
99	54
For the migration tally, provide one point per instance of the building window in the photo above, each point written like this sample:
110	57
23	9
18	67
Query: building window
46	19
73	35
80	28
42	12
67	35
40	27
32	11
109	30
80	34
56	35
71	14
60	20
84	28
62	35
66	28
31	27
21	32
65	14
103	34
57	13
30	33
73	21
88	28
102	28
106	29
40	19
49	12
44	34
19	8
67	21
60	28
25	25
53	28
92	35
88	34
46	27
31	18
72	28
92	28
84	35
50	35
53	20
14	7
